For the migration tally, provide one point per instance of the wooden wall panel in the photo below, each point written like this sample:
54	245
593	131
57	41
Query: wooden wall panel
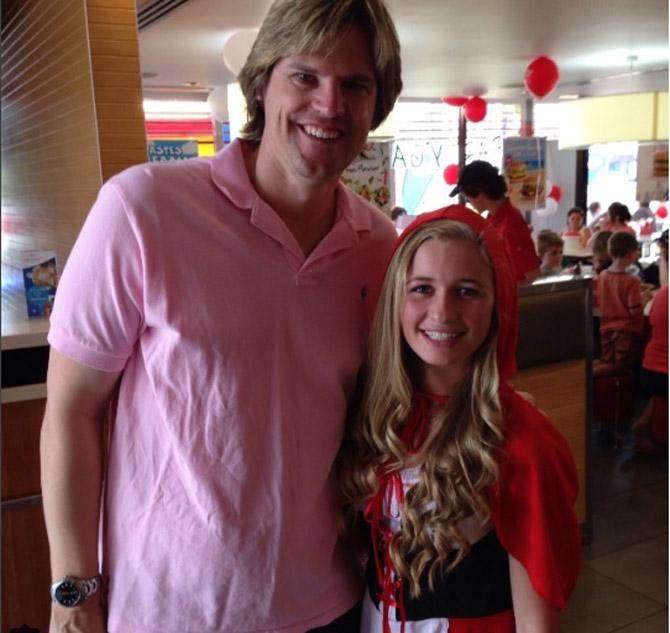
50	156
21	423
559	390
117	83
26	576
71	117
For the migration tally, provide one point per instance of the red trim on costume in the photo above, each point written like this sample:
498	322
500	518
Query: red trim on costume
532	502
490	624
413	435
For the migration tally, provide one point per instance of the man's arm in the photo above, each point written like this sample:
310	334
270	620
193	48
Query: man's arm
71	461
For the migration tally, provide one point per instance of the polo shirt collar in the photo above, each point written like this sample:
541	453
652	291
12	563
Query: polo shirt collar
229	174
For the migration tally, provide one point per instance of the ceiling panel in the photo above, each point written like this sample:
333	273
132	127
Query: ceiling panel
449	47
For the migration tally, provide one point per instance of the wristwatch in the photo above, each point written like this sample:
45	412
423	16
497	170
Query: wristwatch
71	591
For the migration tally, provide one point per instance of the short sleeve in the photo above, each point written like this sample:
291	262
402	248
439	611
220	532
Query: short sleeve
532	504
634	299
98	315
521	249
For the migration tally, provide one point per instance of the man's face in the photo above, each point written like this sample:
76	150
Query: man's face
479	201
318	111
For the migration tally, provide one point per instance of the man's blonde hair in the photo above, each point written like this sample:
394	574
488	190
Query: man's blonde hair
294	27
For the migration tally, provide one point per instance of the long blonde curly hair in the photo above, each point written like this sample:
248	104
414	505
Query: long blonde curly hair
458	458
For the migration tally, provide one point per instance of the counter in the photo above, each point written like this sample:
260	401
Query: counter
25	355
554	356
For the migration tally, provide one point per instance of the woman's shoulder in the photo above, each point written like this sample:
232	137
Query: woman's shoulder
526	426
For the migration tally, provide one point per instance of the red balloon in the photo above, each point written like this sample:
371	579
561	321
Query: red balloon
556	193
541	76
455	101
475	109
451	174
661	213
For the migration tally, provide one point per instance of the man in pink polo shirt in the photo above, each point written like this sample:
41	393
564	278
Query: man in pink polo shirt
222	305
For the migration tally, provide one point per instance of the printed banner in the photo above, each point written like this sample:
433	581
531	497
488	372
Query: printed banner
369	175
40	279
524	168
652	172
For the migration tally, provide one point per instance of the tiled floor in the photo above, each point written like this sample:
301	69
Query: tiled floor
623	585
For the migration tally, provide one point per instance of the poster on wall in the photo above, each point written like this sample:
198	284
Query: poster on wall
40	279
652	172
165	150
369	174
524	168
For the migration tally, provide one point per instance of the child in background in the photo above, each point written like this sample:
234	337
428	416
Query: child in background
550	251
601	257
467	487
619	303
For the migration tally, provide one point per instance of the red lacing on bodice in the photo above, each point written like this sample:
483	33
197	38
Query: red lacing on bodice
413	435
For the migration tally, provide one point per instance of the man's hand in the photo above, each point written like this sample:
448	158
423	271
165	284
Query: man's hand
88	617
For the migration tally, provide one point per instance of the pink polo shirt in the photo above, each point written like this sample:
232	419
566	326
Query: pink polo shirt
239	355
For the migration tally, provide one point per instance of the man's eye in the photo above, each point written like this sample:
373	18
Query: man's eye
303	78
357	86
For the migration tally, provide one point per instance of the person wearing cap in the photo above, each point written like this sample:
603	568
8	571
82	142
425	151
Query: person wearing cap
484	188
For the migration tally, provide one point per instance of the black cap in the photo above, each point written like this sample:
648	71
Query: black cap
476	173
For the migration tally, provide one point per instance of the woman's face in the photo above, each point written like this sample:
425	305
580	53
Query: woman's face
446	310
575	221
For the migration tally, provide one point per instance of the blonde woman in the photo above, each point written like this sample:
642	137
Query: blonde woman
467	488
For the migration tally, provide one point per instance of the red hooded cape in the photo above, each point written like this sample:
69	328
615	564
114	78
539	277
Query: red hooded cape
532	502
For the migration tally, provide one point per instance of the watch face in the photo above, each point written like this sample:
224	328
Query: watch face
67	594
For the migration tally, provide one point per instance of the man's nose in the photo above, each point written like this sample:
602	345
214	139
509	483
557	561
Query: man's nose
329	99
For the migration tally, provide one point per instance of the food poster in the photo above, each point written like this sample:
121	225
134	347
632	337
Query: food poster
40	279
652	172
369	175
524	168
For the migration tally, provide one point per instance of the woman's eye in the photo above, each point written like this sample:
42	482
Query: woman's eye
422	289
468	292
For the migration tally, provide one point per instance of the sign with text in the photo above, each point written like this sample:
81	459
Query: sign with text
369	175
165	150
